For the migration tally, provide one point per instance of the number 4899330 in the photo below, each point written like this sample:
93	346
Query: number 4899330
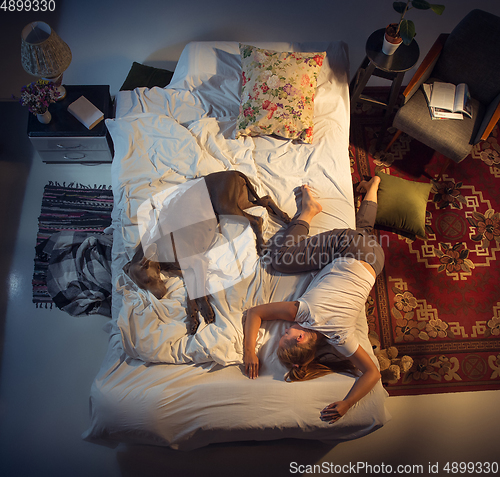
28	5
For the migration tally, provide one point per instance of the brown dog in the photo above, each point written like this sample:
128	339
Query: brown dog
230	193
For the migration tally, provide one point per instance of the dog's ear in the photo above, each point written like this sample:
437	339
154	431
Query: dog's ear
139	254
126	268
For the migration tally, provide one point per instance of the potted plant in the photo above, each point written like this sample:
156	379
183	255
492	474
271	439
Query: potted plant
37	96
404	31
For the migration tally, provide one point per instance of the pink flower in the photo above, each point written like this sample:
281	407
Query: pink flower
318	59
271	107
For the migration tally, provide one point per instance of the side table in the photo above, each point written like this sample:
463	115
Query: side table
65	140
390	67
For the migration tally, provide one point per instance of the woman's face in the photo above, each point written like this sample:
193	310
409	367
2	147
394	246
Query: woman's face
292	335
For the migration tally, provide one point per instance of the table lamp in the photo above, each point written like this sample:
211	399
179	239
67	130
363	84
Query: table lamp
44	54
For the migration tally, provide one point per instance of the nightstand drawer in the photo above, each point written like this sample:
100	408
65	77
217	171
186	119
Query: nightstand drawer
76	156
68	144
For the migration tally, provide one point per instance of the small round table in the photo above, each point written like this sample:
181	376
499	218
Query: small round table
391	67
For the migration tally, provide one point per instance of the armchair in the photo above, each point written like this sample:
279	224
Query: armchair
469	54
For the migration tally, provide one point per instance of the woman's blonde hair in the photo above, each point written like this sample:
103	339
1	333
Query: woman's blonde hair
304	363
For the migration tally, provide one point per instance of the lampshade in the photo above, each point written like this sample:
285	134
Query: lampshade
43	53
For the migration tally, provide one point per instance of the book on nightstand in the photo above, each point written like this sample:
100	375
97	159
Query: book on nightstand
83	110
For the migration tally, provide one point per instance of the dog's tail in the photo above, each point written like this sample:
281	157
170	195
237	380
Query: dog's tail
266	201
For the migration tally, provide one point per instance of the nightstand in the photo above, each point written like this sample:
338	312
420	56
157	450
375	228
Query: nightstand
65	140
390	67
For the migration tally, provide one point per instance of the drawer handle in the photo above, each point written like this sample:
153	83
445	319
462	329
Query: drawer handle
75	157
62	146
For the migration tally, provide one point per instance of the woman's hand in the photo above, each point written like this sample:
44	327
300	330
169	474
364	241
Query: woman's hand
362	386
285	310
370	188
251	362
333	412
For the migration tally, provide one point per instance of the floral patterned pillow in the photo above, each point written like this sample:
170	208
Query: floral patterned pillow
277	94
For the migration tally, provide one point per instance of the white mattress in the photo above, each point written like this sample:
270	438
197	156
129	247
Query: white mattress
159	386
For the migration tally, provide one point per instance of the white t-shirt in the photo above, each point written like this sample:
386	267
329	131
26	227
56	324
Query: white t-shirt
333	301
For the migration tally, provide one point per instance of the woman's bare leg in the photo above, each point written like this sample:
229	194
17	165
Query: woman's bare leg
310	206
294	251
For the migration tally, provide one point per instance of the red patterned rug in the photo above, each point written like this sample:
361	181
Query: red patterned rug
438	300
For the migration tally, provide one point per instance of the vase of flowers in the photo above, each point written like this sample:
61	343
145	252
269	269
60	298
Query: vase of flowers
38	96
404	30
45	117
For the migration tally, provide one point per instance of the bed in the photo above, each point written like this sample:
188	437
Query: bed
159	386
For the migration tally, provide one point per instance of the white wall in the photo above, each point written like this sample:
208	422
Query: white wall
105	36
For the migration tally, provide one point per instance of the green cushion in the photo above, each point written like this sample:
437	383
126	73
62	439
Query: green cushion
402	205
142	76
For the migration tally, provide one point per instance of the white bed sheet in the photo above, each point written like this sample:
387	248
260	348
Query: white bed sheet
144	392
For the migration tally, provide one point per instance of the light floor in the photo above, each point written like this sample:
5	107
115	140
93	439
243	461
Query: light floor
50	359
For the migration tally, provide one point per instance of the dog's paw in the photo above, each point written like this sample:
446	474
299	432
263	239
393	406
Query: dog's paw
207	311
193	324
193	320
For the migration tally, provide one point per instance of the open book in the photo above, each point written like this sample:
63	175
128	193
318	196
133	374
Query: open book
447	101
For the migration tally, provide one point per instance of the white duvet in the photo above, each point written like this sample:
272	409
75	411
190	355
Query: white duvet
154	152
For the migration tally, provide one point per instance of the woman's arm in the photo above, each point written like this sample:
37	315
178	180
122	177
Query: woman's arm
284	310
363	385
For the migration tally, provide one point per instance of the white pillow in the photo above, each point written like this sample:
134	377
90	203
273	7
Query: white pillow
212	71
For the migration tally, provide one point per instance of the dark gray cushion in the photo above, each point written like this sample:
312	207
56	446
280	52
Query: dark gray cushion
471	55
142	76
451	137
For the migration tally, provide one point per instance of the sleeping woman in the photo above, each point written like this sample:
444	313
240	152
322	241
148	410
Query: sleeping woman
349	261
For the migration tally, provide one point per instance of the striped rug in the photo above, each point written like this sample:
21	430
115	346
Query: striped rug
74	207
